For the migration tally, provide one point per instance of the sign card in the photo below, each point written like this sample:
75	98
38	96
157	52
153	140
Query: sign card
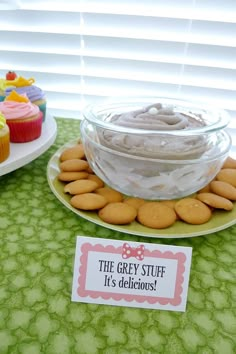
145	275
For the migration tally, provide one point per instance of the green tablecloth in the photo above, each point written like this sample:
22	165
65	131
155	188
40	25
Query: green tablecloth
37	238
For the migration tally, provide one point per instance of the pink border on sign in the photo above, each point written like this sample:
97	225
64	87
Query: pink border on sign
175	301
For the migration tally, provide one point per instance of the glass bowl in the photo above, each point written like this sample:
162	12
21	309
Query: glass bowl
155	148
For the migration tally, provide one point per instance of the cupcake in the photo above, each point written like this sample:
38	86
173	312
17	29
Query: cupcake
7	82
2	90
4	139
4	85
34	93
23	118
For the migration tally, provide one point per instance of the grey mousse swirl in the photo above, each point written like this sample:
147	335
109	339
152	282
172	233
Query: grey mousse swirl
158	118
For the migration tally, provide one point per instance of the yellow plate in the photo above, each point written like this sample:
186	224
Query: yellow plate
219	221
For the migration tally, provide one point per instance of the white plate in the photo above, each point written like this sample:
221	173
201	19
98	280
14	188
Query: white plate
23	153
220	219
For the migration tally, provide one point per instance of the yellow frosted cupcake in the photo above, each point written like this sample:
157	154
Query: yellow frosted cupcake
4	139
4	85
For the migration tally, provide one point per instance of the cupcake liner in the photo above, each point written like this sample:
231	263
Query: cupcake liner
4	147
23	131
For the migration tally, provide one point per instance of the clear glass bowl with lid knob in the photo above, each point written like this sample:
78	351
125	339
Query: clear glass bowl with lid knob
155	148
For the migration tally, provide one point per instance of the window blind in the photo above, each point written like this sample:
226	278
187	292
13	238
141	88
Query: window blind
85	51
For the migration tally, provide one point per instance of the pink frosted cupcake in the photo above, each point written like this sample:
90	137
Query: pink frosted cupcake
24	119
34	93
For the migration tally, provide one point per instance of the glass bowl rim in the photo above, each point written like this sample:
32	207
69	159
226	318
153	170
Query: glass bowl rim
91	111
